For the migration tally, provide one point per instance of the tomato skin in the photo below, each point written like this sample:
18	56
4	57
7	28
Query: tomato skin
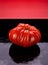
24	35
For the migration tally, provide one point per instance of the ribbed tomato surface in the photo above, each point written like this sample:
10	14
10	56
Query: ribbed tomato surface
24	35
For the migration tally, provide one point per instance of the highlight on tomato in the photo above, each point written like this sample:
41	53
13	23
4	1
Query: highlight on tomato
24	35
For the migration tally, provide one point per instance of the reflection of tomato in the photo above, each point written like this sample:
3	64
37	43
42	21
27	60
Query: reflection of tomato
24	35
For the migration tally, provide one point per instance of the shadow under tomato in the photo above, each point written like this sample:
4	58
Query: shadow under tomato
20	54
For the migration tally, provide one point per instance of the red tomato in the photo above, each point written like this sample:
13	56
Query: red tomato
24	35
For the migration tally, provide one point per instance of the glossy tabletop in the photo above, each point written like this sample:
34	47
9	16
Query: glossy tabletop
14	55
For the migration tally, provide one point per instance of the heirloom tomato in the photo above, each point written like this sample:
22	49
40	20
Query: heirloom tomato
24	35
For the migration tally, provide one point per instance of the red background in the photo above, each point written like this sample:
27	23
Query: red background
24	9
